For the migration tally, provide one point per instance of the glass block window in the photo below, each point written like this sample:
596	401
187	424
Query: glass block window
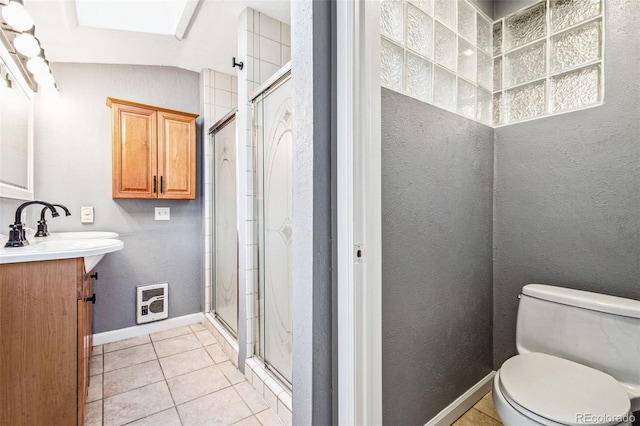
547	59
440	52
544	59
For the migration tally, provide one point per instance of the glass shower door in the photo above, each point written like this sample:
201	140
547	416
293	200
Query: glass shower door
225	250
272	127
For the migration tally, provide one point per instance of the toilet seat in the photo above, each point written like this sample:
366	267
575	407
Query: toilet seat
553	390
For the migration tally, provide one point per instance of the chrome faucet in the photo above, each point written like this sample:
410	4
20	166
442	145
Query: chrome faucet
17	237
42	223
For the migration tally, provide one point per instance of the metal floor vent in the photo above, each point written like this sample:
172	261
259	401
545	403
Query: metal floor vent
152	302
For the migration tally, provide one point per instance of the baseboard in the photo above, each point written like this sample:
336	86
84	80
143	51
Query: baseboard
461	405
141	330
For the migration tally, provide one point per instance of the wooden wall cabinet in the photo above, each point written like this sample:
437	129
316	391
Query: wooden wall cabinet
154	151
46	322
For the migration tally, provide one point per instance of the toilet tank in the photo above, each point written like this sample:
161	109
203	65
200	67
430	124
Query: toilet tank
593	329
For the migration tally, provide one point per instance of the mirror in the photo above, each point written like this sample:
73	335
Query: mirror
16	131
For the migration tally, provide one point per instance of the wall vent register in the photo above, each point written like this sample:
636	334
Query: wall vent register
542	60
152	302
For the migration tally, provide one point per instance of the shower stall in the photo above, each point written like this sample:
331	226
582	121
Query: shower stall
272	121
225	234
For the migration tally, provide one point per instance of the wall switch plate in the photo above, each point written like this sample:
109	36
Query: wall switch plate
163	213
86	214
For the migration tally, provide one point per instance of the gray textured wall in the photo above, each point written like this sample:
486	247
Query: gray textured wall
437	180
502	8
567	191
312	30
8	208
73	167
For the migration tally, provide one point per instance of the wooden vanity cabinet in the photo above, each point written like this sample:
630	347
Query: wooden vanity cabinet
45	342
154	151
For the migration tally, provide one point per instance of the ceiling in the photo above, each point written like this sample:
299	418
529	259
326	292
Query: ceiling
210	42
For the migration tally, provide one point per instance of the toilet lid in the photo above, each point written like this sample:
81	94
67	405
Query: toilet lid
564	391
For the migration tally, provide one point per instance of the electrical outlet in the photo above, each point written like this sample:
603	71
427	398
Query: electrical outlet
163	213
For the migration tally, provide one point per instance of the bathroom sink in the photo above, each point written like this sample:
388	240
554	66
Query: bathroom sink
81	235
92	249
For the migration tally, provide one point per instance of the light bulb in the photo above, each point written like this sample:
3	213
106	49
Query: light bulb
37	66
17	17
27	45
48	90
44	79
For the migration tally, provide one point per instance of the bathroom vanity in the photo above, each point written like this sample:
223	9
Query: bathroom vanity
46	320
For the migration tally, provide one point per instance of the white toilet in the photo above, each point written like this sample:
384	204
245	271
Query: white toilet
578	360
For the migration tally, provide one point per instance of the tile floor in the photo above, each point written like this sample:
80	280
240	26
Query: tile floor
175	377
482	414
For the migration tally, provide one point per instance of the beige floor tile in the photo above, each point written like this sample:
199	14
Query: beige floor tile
224	407
128	357
231	372
217	353
197	327
128	343
176	345
249	421
97	350
485	405
93	414
167	334
269	418
205	337
95	365
128	378
251	397
185	362
94	392
474	417
136	404
164	418
196	384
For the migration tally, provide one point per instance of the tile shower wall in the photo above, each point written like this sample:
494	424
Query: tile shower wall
265	45
547	60
438	51
542	60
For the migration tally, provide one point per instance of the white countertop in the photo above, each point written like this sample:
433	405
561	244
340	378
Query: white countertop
92	249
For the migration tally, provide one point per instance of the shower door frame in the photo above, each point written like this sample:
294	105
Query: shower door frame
359	213
231	115
282	76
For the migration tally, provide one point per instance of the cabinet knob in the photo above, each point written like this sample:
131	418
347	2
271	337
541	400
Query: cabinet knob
94	276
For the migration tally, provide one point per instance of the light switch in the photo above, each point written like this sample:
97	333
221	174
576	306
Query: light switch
86	214
163	213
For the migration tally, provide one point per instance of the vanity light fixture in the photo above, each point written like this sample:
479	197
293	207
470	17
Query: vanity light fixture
37	65
19	30
16	16
27	44
45	79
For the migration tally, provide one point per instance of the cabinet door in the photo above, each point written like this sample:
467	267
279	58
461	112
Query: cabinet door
176	156
134	151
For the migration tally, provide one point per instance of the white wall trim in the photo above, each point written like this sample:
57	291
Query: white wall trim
228	343
464	402
141	330
359	214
